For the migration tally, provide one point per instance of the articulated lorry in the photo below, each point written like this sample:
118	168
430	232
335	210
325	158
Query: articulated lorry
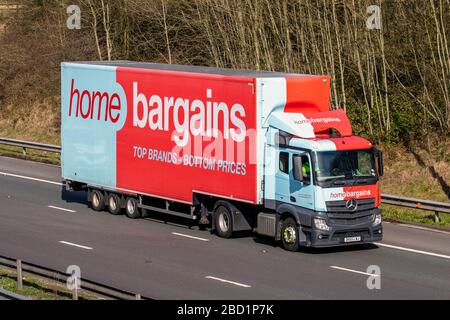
235	150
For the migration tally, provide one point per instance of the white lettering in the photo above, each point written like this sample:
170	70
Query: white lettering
189	118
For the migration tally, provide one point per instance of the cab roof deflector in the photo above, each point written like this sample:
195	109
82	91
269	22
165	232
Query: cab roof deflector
307	125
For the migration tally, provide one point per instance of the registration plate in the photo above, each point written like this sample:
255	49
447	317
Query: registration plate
352	239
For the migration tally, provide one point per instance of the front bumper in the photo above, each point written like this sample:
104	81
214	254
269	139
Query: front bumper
363	232
336	237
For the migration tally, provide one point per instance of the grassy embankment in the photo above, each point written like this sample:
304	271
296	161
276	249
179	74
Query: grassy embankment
418	174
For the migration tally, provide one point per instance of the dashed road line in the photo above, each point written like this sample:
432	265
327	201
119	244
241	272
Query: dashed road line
354	271
62	209
230	282
188	236
75	245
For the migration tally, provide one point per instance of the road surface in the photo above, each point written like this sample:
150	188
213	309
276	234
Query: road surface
41	224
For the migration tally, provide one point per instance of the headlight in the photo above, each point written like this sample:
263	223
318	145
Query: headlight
321	224
376	219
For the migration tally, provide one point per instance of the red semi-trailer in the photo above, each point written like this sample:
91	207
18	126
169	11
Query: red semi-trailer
242	150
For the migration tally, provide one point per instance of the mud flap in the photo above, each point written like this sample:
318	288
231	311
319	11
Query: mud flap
240	222
302	238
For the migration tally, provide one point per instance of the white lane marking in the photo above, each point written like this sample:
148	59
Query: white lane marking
354	271
228	281
75	245
413	250
188	236
422	228
63	209
30	178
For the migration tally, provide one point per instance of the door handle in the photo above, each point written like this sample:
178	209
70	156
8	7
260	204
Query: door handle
293	199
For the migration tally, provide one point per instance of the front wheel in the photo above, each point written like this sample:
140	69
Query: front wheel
289	235
223	222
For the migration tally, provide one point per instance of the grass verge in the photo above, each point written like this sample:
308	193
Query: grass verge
34	155
398	214
38	289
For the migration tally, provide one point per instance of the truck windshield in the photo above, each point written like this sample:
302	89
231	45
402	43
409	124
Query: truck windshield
338	166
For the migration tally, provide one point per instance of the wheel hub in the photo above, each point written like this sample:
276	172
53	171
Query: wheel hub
289	235
223	222
112	203
95	200
130	207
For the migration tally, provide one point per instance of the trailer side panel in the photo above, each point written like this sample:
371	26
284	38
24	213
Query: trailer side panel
157	132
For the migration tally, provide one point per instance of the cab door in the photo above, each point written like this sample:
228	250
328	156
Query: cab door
300	180
282	176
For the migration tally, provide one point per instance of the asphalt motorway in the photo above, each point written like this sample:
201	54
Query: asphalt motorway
168	259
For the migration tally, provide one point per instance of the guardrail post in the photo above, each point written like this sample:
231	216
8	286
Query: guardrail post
137	296
24	151
19	274
75	293
437	219
75	289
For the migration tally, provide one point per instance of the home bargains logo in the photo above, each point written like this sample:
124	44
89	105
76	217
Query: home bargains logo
318	120
94	105
351	194
203	116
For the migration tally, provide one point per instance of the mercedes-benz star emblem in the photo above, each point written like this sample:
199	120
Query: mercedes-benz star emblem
351	204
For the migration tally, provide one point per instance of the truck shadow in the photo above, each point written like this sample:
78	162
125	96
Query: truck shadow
349	248
74	196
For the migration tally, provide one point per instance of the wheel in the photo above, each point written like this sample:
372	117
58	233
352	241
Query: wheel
131	208
223	222
289	235
97	200
114	204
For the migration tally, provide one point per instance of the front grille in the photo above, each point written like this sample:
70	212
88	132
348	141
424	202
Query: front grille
351	221
340	205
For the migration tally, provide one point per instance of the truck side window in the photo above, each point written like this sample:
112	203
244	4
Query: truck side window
306	170
284	162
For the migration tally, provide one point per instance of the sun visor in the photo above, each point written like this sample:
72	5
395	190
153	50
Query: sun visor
306	125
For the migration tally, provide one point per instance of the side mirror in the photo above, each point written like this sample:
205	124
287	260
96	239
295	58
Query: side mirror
379	156
298	168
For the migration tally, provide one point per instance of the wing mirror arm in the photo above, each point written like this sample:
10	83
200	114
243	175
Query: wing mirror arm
380	165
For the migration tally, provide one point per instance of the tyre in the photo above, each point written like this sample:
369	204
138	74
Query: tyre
131	208
114	204
289	235
223	222
97	200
